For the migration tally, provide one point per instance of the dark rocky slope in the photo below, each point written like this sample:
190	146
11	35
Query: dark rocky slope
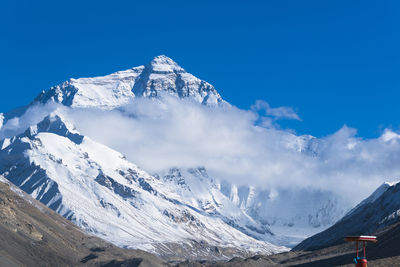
33	235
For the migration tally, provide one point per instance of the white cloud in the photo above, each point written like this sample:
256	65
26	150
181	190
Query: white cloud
158	135
276	113
33	115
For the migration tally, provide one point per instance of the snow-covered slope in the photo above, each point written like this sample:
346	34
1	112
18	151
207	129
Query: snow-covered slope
281	217
197	189
379	210
99	190
293	215
161	75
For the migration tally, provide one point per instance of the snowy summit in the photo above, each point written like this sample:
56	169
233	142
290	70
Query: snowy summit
161	75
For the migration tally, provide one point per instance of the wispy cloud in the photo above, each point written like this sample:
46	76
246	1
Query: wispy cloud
276	113
32	116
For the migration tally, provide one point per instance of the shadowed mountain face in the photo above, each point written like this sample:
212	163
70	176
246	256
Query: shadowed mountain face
33	235
379	210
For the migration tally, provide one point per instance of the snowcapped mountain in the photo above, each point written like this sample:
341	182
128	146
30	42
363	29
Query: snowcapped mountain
103	193
305	212
379	210
162	74
98	189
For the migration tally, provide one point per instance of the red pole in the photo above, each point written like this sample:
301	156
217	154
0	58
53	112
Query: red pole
357	248
364	248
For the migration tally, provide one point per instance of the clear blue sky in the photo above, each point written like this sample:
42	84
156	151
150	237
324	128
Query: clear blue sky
337	62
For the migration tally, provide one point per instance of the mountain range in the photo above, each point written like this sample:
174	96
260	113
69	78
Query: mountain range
176	209
34	235
377	215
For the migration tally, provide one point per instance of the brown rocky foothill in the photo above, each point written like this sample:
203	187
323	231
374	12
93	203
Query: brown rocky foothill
33	235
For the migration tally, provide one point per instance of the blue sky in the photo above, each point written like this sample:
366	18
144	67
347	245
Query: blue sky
335	62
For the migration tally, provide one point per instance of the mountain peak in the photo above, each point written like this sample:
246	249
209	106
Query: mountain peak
379	192
160	75
53	123
393	183
164	64
163	59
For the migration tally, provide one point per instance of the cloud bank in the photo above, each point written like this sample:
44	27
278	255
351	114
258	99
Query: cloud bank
229	142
